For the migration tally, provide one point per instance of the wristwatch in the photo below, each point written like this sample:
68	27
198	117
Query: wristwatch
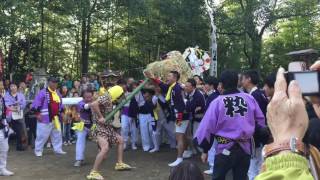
294	145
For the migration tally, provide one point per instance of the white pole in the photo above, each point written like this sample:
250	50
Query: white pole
214	46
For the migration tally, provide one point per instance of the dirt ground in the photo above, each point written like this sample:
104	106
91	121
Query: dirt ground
52	167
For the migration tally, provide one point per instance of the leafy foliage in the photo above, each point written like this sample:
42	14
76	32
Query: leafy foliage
77	36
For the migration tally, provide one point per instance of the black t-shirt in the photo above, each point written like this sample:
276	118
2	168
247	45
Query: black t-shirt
30	119
261	99
261	135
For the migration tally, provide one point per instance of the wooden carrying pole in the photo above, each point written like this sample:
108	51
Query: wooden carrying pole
126	100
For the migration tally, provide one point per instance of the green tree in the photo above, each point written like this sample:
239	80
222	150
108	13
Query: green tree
251	18
297	34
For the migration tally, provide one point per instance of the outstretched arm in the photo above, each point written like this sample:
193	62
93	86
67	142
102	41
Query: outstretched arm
96	109
164	87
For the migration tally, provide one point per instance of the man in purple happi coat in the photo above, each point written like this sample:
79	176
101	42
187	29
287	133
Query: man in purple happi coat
230	120
48	105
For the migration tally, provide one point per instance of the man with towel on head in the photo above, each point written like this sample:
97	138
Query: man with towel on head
48	105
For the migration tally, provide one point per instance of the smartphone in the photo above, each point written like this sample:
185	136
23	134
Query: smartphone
307	80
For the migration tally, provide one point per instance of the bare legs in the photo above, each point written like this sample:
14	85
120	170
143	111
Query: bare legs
181	140
104	149
120	149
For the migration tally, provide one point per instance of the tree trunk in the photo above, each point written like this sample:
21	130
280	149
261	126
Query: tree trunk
84	61
53	60
78	45
86	29
107	40
46	55
256	44
128	35
254	51
42	32
10	59
29	47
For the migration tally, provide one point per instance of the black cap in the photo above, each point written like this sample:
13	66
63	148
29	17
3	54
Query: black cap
53	79
148	90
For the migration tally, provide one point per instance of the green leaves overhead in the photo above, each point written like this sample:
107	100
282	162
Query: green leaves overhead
76	36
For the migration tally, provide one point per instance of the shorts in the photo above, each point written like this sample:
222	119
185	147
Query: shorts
107	132
183	127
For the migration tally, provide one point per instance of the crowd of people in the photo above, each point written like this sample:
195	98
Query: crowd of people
225	120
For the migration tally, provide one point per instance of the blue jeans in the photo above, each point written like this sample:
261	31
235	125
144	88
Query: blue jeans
67	132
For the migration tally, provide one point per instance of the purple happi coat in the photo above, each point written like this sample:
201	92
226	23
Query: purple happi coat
12	101
231	116
85	114
41	105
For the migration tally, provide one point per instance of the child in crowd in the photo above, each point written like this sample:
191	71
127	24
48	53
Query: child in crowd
75	94
128	124
186	170
67	126
133	112
74	119
31	125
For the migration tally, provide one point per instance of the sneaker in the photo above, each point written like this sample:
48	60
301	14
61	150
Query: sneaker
61	152
208	172
94	175
187	154
65	144
6	172
77	164
48	145
70	143
154	150
122	167
38	154
134	147
176	163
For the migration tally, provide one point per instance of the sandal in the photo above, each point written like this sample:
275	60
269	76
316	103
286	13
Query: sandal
122	167
95	175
